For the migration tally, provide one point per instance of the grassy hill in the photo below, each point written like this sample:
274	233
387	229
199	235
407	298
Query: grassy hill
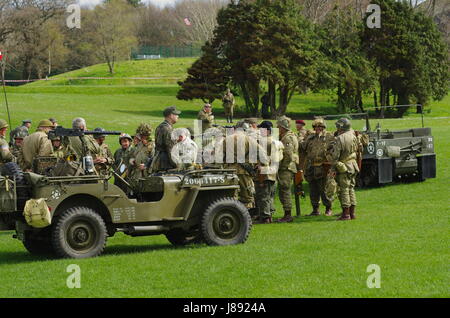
164	71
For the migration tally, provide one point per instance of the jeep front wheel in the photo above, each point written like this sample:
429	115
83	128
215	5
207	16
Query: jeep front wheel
226	222
79	232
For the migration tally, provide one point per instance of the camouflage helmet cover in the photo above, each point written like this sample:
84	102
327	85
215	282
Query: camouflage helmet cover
319	122
20	134
144	129
344	124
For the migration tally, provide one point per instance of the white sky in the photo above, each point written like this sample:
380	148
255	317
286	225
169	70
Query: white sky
157	2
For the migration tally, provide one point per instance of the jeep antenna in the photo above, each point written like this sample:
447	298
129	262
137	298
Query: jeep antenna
3	63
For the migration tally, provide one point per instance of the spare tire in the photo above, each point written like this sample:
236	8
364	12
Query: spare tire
11	169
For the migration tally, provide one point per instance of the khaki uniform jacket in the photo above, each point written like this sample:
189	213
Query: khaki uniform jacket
290	153
345	150
34	146
73	146
228	100
314	150
141	153
207	120
5	154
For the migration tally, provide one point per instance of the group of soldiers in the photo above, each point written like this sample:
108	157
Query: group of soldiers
328	161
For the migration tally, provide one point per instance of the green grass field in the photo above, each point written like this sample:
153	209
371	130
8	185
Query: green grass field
403	228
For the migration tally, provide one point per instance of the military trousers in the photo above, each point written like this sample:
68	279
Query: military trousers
285	180
317	192
265	195
246	190
346	183
229	110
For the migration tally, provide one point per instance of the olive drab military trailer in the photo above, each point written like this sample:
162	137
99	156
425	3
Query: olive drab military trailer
395	155
73	216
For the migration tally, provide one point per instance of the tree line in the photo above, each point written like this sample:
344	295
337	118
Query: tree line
281	47
37	42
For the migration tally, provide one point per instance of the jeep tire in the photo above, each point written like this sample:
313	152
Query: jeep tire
226	222
79	232
180	237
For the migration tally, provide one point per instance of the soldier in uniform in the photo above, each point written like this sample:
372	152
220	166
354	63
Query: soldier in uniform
345	167
207	117
317	165
163	140
141	155
265	104
265	180
105	160
239	144
228	105
58	149
5	154
16	148
37	144
26	124
122	157
288	166
302	132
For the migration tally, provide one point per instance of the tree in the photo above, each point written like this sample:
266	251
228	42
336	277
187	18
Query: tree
347	70
410	57
112	32
206	79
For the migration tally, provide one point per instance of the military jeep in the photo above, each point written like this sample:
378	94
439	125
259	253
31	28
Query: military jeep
73	216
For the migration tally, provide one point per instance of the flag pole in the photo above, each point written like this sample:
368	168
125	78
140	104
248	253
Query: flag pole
4	89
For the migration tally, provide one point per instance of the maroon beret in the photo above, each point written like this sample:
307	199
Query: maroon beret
300	122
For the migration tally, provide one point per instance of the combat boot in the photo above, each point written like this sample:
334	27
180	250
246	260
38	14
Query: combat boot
352	212
328	211
266	220
287	218
315	211
345	215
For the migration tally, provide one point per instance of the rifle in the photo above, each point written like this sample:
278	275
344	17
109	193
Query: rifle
70	132
298	186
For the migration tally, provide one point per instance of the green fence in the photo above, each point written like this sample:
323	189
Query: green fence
158	52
